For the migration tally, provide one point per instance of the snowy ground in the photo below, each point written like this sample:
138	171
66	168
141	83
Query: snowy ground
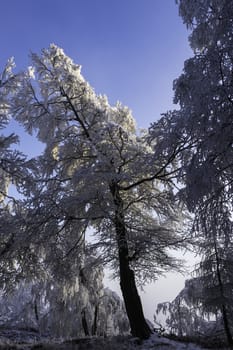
15	340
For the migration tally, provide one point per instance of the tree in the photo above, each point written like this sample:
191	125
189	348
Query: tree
204	122
96	172
11	161
203	309
183	315
204	93
62	308
215	269
186	316
14	172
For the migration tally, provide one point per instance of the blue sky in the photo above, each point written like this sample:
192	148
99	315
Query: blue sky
130	50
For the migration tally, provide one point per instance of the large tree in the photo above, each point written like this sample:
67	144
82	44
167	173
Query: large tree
204	92
98	173
204	121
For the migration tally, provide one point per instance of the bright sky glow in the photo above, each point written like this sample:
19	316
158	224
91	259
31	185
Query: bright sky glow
130	50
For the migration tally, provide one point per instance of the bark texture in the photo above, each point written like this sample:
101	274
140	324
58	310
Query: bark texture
139	326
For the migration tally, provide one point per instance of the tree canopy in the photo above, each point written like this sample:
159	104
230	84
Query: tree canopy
101	177
97	173
204	124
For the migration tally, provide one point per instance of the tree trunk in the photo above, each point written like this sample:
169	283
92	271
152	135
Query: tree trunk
36	311
227	326
180	331
133	305
94	326
226	322
84	323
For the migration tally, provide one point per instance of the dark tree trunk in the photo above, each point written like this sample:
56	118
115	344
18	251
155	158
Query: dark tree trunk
133	305
84	323
94	326
36	310
180	331
226	325
226	322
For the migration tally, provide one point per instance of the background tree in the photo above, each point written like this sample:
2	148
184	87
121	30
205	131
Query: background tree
203	309
214	240
186	317
183	315
80	306
204	122
65	308
97	173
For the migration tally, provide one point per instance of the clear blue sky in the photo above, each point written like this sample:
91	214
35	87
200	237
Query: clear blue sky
130	50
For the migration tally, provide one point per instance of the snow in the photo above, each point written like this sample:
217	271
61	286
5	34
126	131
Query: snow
12	339
161	342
